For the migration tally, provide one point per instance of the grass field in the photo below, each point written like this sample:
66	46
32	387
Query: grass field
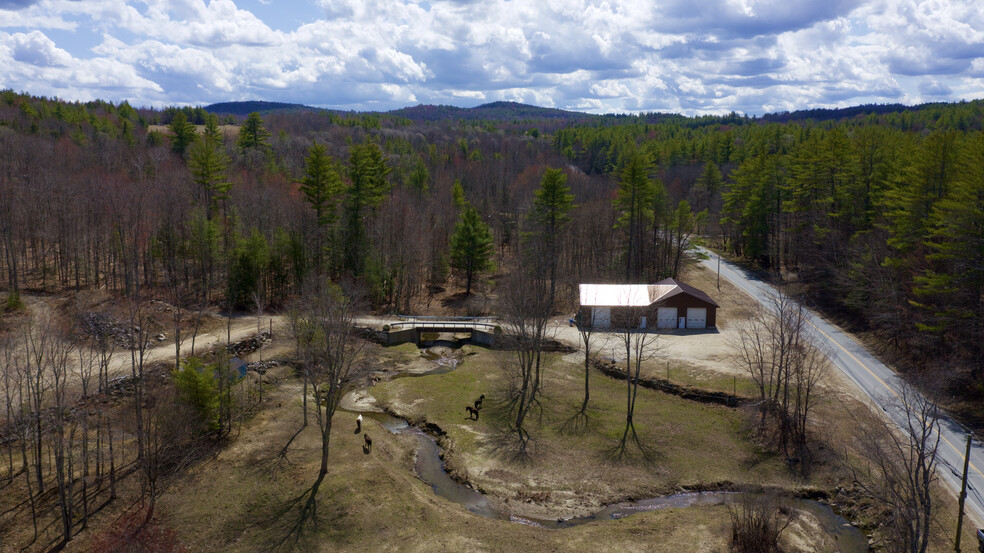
242	499
695	445
375	503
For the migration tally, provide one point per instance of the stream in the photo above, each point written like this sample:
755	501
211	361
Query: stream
430	469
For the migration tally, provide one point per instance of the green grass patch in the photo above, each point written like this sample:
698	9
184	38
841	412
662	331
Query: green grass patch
694	444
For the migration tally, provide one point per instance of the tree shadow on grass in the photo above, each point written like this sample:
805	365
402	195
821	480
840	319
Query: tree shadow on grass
578	424
629	446
296	524
504	440
277	523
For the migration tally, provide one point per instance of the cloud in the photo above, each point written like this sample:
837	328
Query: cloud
16	4
934	88
597	55
35	48
750	18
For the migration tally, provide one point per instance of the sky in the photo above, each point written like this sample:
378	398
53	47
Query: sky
599	56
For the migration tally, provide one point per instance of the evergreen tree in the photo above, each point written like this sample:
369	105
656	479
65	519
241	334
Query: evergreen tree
322	188
208	164
551	204
211	130
707	187
471	246
368	189
198	389
920	185
458	194
953	287
252	134
419	177
751	209
250	261
633	201
182	133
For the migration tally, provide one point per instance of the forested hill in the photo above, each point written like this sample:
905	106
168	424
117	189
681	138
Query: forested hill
495	111
245	108
836	114
514	111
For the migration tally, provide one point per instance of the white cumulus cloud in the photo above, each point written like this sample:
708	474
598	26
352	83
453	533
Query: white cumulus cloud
714	56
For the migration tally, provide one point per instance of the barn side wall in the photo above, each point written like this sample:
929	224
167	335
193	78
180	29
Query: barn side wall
630	317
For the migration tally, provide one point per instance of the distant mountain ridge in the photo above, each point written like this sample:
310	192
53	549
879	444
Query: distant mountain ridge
420	113
511	111
493	110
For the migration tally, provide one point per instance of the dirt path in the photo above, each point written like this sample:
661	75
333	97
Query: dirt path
41	309
239	329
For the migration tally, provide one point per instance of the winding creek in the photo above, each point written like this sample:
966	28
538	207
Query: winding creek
430	469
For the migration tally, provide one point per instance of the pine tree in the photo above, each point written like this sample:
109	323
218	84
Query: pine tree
634	203
471	246
208	164
252	134
708	186
211	130
551	204
953	287
322	188
368	189
183	133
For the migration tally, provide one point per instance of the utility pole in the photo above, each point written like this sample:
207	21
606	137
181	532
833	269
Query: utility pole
719	272
963	496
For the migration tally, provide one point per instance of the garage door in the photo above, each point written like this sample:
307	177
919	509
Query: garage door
696	317
601	317
666	317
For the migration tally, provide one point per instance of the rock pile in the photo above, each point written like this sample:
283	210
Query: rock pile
101	325
372	335
124	385
249	345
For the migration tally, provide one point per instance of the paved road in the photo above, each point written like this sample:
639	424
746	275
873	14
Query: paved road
879	383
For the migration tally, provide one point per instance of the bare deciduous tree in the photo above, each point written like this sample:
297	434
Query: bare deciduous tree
906	465
640	345
757	523
579	421
323	321
775	350
525	307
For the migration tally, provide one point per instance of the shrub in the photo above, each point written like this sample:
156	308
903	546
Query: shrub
757	522
198	389
14	302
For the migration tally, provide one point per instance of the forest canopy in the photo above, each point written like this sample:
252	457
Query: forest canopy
877	211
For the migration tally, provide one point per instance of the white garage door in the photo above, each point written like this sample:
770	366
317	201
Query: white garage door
601	317
666	317
696	317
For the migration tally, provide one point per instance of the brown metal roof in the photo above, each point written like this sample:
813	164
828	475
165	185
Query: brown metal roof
681	288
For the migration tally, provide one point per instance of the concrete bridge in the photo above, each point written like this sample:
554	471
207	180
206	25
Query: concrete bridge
410	327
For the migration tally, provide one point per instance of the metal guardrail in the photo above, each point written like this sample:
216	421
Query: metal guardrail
440	318
442	323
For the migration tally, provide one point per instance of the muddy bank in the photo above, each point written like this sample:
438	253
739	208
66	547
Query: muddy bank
814	514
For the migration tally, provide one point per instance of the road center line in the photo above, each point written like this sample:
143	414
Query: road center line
865	367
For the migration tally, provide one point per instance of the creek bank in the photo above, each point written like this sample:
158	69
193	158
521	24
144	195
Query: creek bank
438	464
431	462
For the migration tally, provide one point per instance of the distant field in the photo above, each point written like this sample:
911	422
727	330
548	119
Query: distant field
227	130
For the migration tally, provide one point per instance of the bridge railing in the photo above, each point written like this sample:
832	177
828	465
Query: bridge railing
412	318
442	324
